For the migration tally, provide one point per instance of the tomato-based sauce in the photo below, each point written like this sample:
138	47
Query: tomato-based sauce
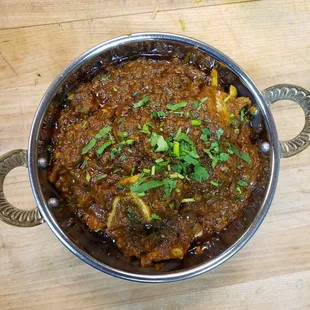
156	154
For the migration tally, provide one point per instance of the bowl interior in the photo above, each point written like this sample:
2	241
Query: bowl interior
94	248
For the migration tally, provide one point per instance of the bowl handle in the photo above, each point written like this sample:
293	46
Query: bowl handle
302	97
8	213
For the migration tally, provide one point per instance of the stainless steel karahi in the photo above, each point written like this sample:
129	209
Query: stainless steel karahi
91	247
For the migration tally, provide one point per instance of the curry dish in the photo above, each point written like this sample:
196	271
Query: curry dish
156	154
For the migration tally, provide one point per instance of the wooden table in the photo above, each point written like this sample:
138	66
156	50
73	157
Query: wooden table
269	39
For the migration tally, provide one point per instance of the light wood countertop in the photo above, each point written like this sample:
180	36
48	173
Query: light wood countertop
269	39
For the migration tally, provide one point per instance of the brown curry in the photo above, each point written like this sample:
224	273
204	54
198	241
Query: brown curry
156	154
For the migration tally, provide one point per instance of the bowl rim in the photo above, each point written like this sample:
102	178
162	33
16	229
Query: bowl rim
174	275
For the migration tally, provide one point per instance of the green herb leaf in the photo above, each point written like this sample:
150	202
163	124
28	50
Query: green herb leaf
103	132
154	216
233	150
89	146
206	134
101	149
196	122
169	186
223	157
141	188
84	124
200	173
123	134
146	128
84	164
176	149
219	133
122	158
174	107
214	183
134	94
171	205
142	102
88	177
238	190
104	78
158	114
242	183
100	176
176	175
128	142
120	120
158	140
187	158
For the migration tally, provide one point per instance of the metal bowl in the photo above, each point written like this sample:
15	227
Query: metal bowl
92	248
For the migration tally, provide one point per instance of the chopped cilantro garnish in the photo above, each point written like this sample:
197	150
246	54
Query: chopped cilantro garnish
143	187
176	175
123	134
176	106
146	128
214	183
159	141
100	176
223	157
233	150
180	136
158	114
103	147
121	120
84	164
219	133
242	183
147	171
171	205
206	134
238	190
169	186
142	102
103	132
176	149
134	94
116	150
187	158
198	104
122	158
196	122
200	173
128	142
88	177
104	78
154	216
89	146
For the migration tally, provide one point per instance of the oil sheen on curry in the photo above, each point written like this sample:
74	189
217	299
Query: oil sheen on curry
157	155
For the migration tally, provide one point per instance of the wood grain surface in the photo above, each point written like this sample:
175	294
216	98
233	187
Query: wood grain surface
269	39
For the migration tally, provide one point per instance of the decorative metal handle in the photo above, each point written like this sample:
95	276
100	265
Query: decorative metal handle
302	97
8	213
